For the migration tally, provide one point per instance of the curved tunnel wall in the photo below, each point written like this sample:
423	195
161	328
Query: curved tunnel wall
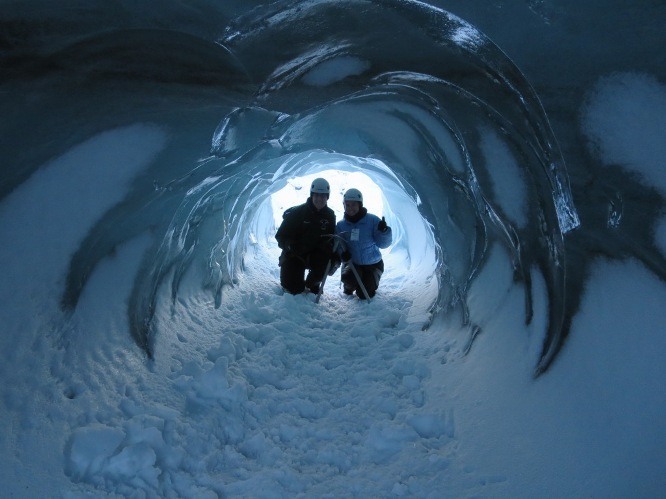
330	78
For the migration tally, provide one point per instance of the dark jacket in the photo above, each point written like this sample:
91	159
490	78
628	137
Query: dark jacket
302	229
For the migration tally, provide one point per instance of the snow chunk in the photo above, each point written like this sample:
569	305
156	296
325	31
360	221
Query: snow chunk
90	448
432	425
385	440
136	463
213	387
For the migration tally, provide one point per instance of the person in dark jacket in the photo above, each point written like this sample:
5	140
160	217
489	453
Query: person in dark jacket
306	239
364	235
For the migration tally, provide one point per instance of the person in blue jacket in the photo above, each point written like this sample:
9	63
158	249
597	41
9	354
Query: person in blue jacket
364	234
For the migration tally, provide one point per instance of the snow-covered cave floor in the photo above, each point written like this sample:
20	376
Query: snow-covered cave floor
326	398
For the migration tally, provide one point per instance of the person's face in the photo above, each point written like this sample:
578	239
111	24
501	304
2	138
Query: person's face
319	200
352	207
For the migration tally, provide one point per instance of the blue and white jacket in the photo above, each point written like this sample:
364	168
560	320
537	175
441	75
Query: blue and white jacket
362	238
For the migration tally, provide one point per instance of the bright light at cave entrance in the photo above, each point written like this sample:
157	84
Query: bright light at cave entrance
297	191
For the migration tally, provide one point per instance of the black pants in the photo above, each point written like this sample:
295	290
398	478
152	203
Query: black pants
292	271
369	274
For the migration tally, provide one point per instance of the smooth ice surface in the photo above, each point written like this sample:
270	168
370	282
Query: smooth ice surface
507	182
625	119
140	196
335	70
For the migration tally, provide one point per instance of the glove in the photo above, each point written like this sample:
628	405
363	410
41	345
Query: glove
346	256
381	226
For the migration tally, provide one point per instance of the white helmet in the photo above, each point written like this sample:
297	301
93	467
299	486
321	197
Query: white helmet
353	195
320	186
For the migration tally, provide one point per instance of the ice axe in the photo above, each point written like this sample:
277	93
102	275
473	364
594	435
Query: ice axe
358	280
351	265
